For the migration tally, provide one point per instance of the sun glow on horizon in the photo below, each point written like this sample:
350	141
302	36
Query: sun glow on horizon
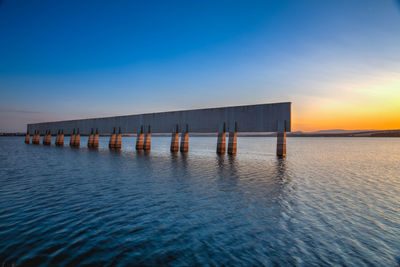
373	105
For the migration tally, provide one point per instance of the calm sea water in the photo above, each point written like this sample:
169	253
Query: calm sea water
331	201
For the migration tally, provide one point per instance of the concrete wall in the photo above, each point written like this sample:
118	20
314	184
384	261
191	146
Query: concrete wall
252	118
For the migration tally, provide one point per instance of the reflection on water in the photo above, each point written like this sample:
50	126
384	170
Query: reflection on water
332	200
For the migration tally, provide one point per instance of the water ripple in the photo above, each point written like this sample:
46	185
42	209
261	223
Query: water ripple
332	201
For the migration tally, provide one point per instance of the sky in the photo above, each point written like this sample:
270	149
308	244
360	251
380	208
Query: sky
337	61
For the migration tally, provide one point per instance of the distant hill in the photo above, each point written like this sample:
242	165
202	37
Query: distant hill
347	133
339	131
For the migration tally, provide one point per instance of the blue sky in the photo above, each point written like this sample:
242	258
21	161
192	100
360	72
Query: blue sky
79	59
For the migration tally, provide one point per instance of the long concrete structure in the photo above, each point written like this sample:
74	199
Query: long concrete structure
252	118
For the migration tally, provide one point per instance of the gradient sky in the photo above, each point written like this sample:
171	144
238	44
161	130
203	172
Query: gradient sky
338	62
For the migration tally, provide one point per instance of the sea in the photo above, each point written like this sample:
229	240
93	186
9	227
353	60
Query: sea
329	202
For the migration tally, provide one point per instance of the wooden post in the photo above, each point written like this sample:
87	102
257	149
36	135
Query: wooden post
77	140
232	144
185	140
36	137
111	143
281	140
72	140
139	139
175	139
147	140
27	138
118	140
221	142
61	141
96	139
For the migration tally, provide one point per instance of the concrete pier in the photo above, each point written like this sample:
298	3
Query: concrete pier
250	118
175	139
185	139
232	143
139	139
111	143
147	140
221	142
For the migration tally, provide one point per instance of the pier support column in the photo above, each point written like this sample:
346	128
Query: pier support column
91	139
139	139
27	138
281	140
35	138
58	137
118	139
77	141
185	140
72	140
95	143
232	144
175	139
44	138
221	142
147	140
60	141
111	143
47	138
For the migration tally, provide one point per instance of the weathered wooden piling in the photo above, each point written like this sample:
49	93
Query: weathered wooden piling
221	142
96	139
27	138
91	138
47	138
139	139
232	143
57	137
77	141
60	138
36	138
175	139
72	140
61	141
44	138
147	140
185	139
281	140
118	140
111	143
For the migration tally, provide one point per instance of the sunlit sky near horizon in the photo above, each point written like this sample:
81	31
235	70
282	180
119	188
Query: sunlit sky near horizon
338	62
